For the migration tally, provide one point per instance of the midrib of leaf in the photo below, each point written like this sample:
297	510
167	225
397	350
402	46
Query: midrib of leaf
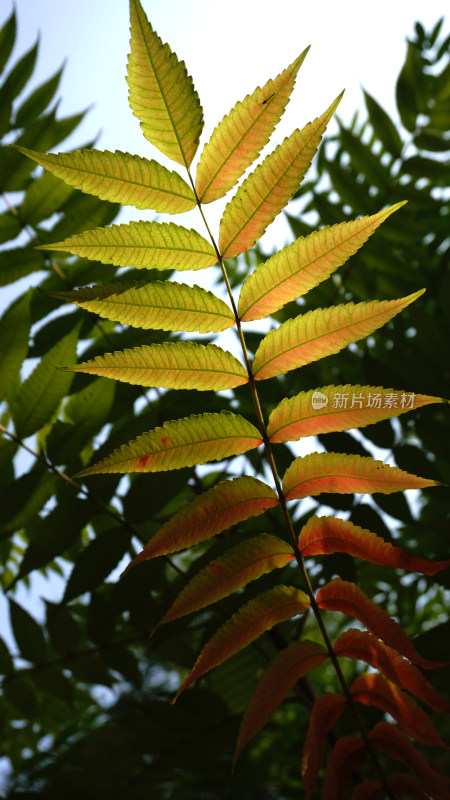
268	192
334	330
162	95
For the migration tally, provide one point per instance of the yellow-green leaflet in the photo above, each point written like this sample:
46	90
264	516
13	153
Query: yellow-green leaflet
267	190
302	265
162	95
159	305
120	178
321	332
152	245
239	138
170	365
182	443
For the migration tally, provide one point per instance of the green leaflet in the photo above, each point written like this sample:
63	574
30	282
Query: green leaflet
171	365
40	395
162	95
245	562
269	188
300	266
239	138
321	332
182	443
14	333
257	616
167	305
152	245
120	178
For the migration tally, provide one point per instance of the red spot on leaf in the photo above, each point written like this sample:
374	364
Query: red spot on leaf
142	462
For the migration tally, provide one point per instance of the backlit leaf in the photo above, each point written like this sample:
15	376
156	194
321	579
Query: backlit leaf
245	562
212	512
170	365
161	305
323	535
152	245
349	599
239	138
339	408
343	474
391	740
375	690
302	265
402	785
348	755
321	332
325	712
182	443
363	646
253	619
269	188
14	333
162	95
120	178
284	671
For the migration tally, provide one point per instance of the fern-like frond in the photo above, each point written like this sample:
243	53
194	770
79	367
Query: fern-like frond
339	408
162	95
182	443
170	365
239	138
321	333
342	473
282	674
159	305
152	245
120	178
258	615
244	563
269	188
305	263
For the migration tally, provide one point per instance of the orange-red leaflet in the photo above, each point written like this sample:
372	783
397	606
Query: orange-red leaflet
239	138
321	333
364	646
339	408
348	755
300	266
325	712
342	473
245	562
257	616
267	190
212	512
375	690
402	785
182	443
346	597
285	669
323	535
389	739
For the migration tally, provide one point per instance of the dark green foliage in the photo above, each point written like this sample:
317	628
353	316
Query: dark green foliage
87	676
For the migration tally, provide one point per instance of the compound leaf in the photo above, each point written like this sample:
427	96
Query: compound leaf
162	95
323	535
321	332
170	365
245	562
284	671
217	509
302	265
182	443
239	138
120	178
339	408
269	188
258	615
149	245
160	305
349	599
342	473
